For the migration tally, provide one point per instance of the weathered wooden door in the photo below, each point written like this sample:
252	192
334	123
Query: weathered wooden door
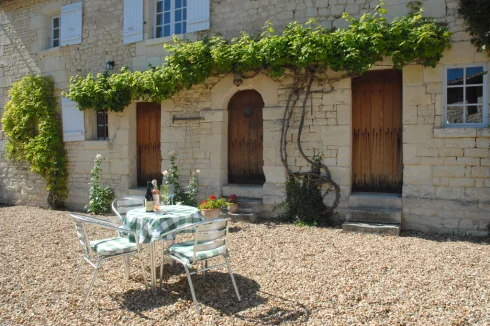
377	132
245	138
148	142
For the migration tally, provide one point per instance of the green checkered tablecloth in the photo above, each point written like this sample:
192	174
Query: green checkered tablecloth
150	226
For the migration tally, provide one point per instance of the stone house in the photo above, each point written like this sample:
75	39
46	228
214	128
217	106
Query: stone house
430	171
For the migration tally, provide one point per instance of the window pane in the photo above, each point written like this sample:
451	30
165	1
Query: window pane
455	114
56	43
474	114
185	15
159	32
178	28
166	18
56	23
159	19
474	75
455	95
474	94
56	34
167	5
178	15
455	76
185	3
159	6
178	4
166	30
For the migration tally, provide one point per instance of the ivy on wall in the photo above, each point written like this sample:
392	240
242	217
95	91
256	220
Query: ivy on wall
34	133
476	14
408	39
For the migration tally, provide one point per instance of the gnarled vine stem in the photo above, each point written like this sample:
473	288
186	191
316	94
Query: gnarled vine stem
319	175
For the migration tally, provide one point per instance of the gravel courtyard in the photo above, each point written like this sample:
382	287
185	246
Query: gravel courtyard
286	274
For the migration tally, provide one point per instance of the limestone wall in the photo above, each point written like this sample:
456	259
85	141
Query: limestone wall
446	170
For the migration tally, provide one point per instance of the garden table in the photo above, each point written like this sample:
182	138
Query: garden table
149	226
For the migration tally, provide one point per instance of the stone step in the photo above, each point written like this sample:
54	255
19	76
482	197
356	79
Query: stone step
373	215
376	228
240	217
247	191
375	200
137	191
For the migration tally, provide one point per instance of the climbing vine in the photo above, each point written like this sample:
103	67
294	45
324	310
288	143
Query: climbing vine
476	15
34	133
408	39
305	52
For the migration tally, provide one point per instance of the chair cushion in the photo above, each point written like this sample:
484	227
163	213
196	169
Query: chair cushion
185	251
112	246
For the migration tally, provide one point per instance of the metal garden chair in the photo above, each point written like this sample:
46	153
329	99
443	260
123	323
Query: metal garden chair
96	251
209	242
120	206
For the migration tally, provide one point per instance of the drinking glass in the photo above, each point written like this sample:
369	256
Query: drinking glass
165	194
171	194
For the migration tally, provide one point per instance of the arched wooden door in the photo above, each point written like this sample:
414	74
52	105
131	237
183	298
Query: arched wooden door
245	138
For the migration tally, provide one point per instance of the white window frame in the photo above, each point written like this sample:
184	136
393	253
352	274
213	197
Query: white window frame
484	123
52	31
172	18
97	126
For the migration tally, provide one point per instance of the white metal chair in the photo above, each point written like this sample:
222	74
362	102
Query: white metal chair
97	251
120	206
209	242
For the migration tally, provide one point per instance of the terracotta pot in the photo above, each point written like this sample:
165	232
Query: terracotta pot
233	208
210	214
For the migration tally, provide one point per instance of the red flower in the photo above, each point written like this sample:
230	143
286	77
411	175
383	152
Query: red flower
203	202
212	197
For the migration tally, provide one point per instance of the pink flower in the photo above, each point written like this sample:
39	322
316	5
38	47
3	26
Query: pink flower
165	173
212	197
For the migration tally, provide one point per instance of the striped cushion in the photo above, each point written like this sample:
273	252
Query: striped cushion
185	251
112	246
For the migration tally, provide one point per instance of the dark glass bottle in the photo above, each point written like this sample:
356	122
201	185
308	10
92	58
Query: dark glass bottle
149	197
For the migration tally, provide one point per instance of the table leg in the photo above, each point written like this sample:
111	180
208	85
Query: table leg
153	268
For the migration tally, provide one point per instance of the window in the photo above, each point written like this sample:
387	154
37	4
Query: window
171	17
55	31
102	125
466	103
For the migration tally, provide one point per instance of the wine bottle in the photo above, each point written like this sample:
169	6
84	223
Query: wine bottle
156	194
148	198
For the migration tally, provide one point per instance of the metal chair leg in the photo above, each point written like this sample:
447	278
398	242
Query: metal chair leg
92	282
232	279
161	264
143	273
204	264
78	272
127	266
192	289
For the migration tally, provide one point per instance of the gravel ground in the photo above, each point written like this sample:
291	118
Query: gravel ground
286	274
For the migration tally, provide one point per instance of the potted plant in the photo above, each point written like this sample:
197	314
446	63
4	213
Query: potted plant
233	204
211	207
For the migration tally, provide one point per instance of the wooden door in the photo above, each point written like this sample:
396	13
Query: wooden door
148	142
245	138
377	132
